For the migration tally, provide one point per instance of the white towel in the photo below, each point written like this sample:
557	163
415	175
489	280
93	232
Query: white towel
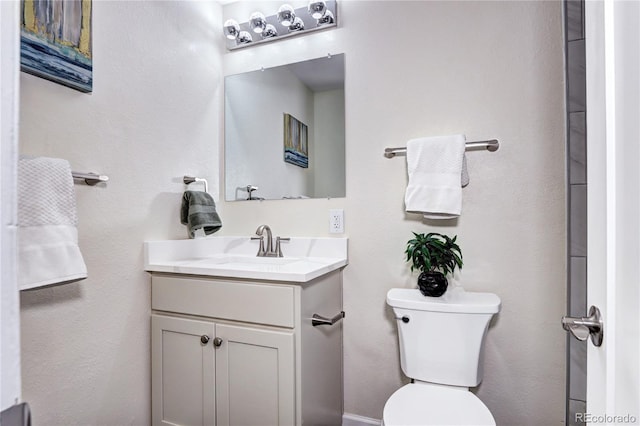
437	170
48	251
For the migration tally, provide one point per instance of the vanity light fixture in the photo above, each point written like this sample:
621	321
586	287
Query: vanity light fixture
317	15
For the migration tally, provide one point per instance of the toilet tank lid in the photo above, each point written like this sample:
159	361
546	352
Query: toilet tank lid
455	300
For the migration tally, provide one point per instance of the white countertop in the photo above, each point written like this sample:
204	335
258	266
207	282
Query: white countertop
304	258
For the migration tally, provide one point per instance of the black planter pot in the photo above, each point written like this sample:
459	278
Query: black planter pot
432	283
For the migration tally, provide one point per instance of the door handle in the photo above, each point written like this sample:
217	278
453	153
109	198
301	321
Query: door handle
583	327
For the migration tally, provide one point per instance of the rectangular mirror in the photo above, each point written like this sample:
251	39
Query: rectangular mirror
285	132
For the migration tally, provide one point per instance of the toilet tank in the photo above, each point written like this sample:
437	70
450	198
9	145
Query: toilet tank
442	338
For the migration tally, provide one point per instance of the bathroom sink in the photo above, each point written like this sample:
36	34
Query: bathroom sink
304	259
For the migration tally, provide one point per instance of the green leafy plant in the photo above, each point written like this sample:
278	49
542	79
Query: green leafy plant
433	252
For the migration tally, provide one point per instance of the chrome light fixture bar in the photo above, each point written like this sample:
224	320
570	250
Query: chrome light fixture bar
286	22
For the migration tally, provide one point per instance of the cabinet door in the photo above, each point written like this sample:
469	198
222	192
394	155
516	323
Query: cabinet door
254	377
183	372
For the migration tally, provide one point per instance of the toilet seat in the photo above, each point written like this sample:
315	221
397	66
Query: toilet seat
430	404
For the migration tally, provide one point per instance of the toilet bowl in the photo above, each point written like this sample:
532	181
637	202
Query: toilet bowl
441	349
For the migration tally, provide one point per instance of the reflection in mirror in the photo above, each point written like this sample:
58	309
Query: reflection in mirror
284	132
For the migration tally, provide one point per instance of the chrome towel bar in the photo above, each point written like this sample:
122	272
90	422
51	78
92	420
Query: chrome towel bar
90	178
490	145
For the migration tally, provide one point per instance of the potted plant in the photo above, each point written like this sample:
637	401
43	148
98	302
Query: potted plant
435	256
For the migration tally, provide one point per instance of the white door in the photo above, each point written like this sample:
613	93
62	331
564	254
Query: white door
613	164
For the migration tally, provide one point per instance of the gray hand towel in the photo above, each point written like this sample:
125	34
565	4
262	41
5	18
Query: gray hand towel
199	211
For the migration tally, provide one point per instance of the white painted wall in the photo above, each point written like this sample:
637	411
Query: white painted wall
9	300
486	69
328	148
153	117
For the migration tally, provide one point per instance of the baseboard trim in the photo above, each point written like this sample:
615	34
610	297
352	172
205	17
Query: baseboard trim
349	419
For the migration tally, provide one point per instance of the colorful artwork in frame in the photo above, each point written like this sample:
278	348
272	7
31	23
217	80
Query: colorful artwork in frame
55	41
296	149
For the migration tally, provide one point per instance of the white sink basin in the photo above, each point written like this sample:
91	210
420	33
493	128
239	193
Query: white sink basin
236	257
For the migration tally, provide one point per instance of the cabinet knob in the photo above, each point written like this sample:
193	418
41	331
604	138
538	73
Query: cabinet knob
204	339
217	342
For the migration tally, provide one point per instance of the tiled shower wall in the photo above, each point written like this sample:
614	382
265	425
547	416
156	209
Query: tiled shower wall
577	205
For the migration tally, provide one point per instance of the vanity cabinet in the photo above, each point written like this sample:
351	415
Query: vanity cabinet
228	351
249	377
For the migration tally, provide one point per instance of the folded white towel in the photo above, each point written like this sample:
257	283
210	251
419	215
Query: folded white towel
437	172
48	251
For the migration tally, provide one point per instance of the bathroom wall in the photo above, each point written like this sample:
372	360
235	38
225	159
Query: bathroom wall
486	69
154	116
328	134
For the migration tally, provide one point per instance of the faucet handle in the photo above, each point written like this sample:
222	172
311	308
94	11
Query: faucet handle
278	249
261	252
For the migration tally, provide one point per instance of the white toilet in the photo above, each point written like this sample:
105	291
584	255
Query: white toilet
441	349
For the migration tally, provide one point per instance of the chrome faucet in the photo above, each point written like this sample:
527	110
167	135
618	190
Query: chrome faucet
261	251
250	189
269	251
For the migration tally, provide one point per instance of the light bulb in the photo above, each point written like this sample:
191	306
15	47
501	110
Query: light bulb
286	15
297	25
231	29
257	22
244	37
317	9
269	31
326	19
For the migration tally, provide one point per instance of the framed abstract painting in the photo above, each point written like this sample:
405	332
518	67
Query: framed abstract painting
296	150
55	41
